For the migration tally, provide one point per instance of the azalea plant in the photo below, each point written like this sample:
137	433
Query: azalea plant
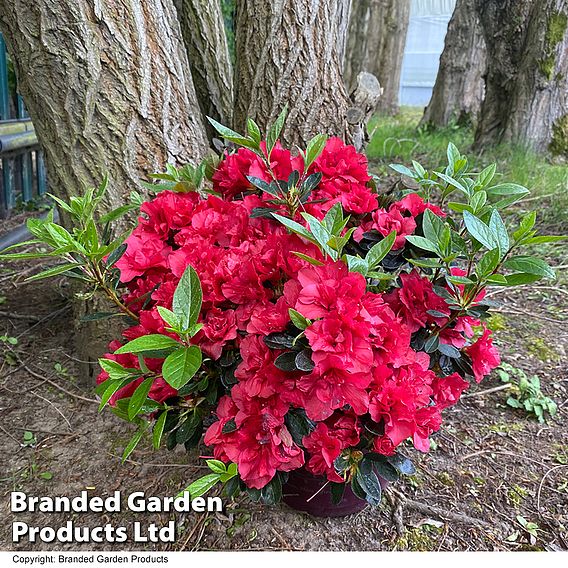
305	317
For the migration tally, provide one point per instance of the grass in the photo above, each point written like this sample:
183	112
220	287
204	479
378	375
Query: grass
398	139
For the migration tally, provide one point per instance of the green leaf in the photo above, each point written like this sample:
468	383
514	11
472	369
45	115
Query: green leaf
153	342
453	155
369	482
253	130
454	183
55	271
275	131
169	317
159	429
402	464
181	365
202	485
543	239
380	250
507	189
519	279
423	243
139	397
116	370
307	258
298	319
357	264
134	441
500	232
486	175
295	227
216	466
112	385
488	263
480	231
529	265
314	149
432	226
233	136
402	170
187	299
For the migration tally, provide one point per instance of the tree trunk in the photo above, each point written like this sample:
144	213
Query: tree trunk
287	52
459	87
343	17
109	90
108	87
203	31
526	92
375	43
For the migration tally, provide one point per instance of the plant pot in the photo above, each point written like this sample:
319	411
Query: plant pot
303	492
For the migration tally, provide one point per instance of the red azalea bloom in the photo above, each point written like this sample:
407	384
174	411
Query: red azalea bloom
447	390
329	288
484	356
144	252
414	299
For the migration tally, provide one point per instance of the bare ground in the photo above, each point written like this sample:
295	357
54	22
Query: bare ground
491	463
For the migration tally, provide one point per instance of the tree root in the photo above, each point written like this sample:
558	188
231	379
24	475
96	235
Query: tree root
399	502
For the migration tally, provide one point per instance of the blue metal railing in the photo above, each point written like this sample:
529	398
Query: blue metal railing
22	165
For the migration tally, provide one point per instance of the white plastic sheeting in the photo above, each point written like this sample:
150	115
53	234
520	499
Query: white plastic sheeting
424	45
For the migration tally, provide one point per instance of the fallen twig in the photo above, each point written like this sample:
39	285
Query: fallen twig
542	483
23	317
438	512
487	391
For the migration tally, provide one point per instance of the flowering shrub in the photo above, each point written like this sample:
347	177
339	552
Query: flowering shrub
322	323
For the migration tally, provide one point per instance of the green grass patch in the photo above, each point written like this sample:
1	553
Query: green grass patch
399	139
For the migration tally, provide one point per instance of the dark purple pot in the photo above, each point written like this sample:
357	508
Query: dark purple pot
302	485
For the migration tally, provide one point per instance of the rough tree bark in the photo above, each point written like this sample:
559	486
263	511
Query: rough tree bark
459	87
375	43
108	87
204	36
287	52
343	17
526	90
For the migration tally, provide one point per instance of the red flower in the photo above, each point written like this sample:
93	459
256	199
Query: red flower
144	252
329	288
415	205
447	390
219	327
383	445
484	356
230	177
414	299
385	222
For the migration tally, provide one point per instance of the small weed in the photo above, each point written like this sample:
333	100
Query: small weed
29	439
526	393
516	495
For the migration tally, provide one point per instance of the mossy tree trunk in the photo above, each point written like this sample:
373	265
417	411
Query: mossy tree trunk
375	44
526	90
459	87
203	32
287	52
108	87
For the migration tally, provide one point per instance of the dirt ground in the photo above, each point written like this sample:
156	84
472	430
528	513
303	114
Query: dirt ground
492	465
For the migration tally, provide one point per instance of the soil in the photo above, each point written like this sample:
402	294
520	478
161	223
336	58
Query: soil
491	463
